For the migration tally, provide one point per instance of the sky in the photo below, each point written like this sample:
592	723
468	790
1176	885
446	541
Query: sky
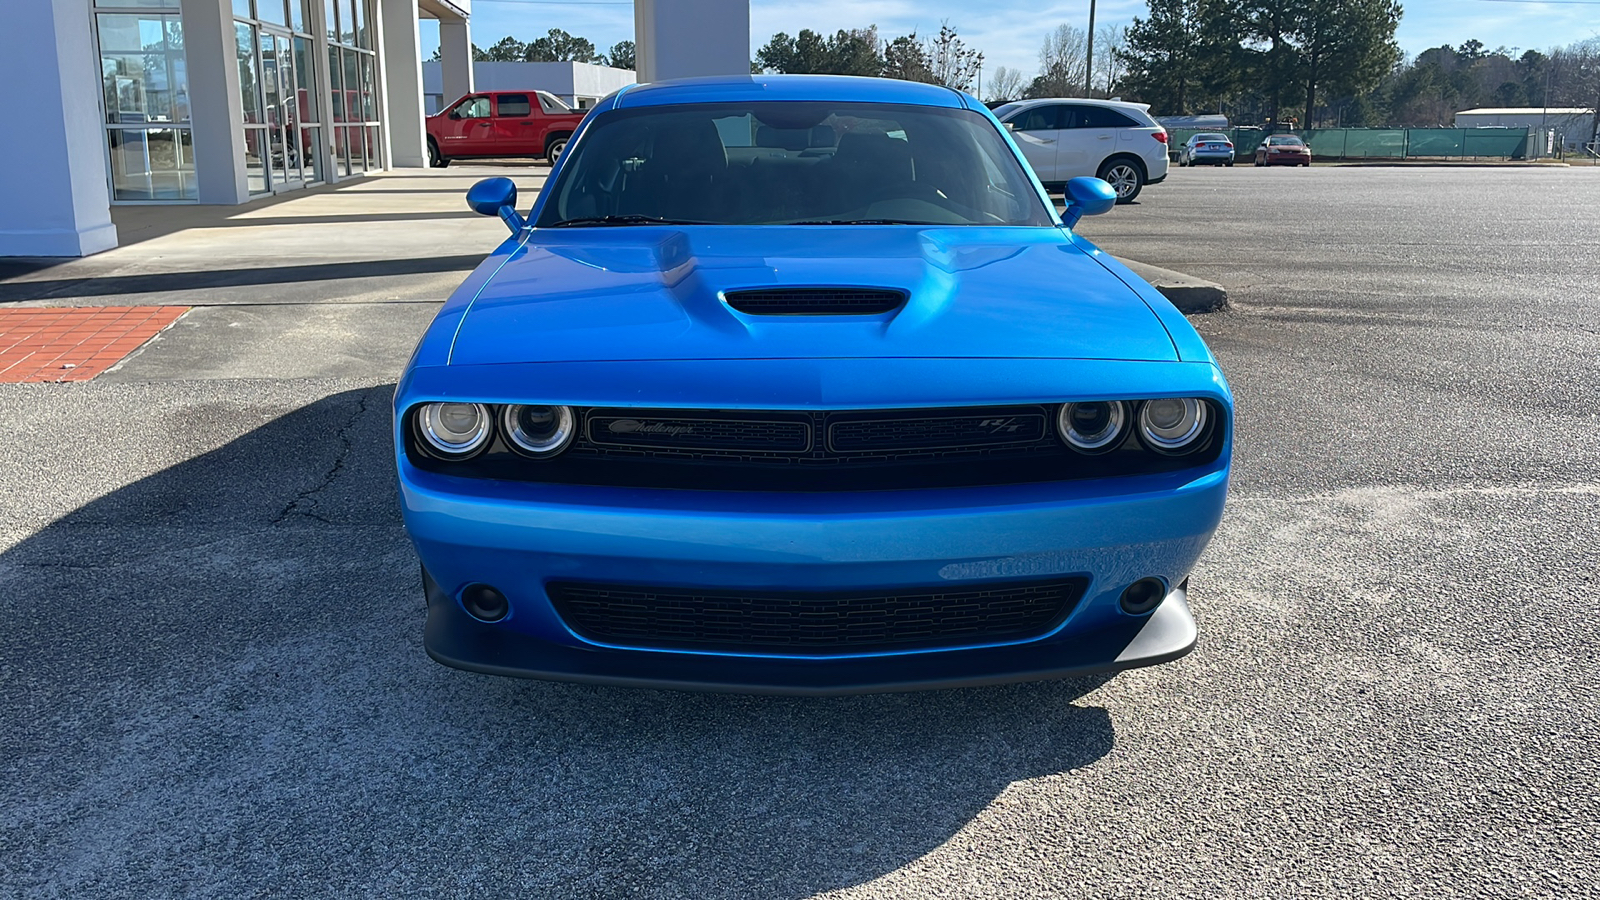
1009	31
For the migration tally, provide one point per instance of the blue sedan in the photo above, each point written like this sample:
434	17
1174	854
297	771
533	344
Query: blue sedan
800	384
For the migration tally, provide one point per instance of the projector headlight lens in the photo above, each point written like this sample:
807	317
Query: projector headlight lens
454	430
1092	427
1172	425
538	430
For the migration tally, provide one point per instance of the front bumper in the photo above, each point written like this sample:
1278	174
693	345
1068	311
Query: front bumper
516	537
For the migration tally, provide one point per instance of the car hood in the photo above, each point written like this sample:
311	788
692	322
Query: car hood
654	293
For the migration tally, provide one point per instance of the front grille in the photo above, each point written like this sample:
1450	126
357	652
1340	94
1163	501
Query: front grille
813	624
670	431
816	450
921	431
815	301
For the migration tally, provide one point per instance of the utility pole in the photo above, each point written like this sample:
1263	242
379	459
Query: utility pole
1088	69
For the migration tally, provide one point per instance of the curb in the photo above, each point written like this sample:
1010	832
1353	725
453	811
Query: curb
1188	293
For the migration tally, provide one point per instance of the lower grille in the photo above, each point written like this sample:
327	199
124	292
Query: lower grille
813	624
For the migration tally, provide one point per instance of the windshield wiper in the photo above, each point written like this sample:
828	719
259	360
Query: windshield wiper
625	220
865	222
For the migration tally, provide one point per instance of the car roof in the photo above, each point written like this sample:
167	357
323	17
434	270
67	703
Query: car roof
1086	101
752	88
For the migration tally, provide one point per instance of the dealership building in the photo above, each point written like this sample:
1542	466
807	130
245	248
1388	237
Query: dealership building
224	101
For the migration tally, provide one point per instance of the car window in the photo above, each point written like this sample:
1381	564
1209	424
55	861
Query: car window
472	108
1039	118
513	105
772	163
1209	137
1099	117
553	105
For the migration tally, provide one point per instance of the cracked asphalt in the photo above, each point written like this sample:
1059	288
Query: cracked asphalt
212	682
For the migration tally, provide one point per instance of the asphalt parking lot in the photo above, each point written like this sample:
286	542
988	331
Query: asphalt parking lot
212	681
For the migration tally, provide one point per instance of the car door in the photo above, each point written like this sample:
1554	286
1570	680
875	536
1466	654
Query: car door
1037	131
516	127
1092	137
468	130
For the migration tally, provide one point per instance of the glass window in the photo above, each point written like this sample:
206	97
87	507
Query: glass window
347	21
151	164
363	38
336	84
373	162
243	10
311	144
249	86
122	4
905	164
352	86
270	93
1100	117
552	104
369	112
271	11
305	81
357	151
299	16
512	105
330	20
255	172
1039	118
472	108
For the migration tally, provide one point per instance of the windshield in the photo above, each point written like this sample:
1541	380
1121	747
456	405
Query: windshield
1288	141
779	163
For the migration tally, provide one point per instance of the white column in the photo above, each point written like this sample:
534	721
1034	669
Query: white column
690	38
400	68
455	57
57	201
213	63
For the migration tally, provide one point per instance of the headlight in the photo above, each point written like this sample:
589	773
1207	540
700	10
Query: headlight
1092	427
454	430
1171	425
538	430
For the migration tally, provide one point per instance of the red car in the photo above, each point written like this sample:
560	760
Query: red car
501	124
1283	150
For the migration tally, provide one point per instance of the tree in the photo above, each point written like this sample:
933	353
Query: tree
1108	66
507	49
1160	54
1004	84
558	46
621	55
1347	46
852	52
1062	64
906	58
953	63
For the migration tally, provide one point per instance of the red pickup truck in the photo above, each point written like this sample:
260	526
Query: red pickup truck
500	124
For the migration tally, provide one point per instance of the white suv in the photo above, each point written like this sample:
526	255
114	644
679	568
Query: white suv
1109	139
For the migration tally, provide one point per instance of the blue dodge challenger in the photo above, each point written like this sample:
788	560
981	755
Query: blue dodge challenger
800	384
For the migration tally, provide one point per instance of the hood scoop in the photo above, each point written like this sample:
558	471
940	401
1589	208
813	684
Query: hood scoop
815	301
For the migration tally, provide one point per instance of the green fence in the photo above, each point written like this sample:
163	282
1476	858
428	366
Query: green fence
1384	143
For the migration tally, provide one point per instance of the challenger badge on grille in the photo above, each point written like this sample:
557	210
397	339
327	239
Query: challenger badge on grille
642	429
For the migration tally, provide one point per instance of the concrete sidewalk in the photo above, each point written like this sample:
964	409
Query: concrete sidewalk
393	236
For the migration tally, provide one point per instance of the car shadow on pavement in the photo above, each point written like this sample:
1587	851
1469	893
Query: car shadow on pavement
213	684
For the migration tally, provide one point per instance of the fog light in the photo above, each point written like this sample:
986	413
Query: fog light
484	603
1143	595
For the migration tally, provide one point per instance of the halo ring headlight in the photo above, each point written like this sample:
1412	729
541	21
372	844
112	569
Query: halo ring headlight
1173	424
454	430
538	430
1093	426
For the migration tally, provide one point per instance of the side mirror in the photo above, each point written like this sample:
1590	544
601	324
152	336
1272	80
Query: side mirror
497	197
1087	197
